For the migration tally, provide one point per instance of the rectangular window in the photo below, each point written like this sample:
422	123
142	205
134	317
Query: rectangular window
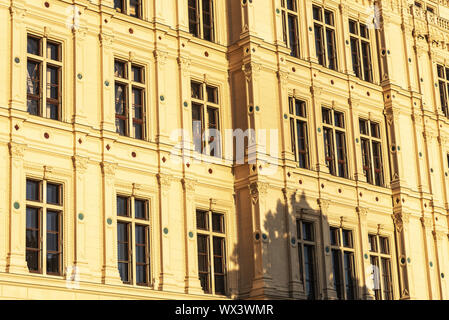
206	119
211	251
44	69
290	26
132	8
380	259
325	44
44	212
133	240
306	253
130	107
343	263
443	84
371	145
334	133
298	130
361	50
201	19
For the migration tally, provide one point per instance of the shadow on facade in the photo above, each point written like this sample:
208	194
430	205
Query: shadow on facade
292	256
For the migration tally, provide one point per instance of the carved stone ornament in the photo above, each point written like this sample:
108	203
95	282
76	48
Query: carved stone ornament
108	168
257	189
16	150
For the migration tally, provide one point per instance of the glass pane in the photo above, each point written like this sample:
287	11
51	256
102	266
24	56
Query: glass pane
52	221
337	273
141	274
212	94
120	69
363	124
122	206
384	245
134	8
140	254
335	236
137	73
372	243
53	51
34	46
329	17
124	272
309	268
53	193
122	252
375	130
217	222
347	238
202	220
52	242
197	91
353	27
122	232
339	119
300	107
52	83
32	239
220	284
327	116
32	218
140	207
202	244
32	258
141	235
53	263
33	190
317	13
349	275
307	231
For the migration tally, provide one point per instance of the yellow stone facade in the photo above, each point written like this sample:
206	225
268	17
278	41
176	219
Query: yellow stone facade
256	76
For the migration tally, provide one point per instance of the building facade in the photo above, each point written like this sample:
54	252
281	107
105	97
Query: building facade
224	149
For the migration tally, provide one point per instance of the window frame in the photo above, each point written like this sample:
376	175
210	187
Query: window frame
443	87
131	221
205	105
126	4
360	40
334	130
43	207
324	28
310	243
380	257
129	84
303	120
199	22
46	63
286	13
371	139
341	249
210	234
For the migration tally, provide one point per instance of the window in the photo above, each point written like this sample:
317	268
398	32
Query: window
306	253
44	214
201	19
133	239
343	263
380	259
335	142
298	130
324	26
130	91
211	251
132	8
290	26
443	82
44	71
361	50
206	119
371	152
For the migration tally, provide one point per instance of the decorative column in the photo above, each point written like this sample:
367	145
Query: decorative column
162	114
318	128
166	280
107	78
192	282
286	152
79	44
401	254
110	263
427	226
368	292
16	262
294	284
329	292
262	281
80	217
186	107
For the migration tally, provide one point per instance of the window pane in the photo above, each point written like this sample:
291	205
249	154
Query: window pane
53	193
347	238
123	269
52	242
53	263
202	220
122	206
327	116
349	275
120	69
53	51
317	13
375	130
217	222
32	258
34	45
134	8
137	73
309	268
212	94
372	243
363	124
140	207
339	119
307	231
33	190
52	221
384	246
337	273
197	127
197	91
335	236
353	27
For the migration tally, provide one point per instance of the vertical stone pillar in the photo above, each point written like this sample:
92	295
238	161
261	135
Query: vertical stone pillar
367	289
329	292
110	263
16	262
401	253
79	36
192	282
107	79
166	280
317	127
162	114
80	217
286	152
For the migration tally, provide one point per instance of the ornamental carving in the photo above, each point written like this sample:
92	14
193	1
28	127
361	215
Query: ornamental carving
109	168
80	163
257	189
188	185
16	150
160	56
251	70
164	180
